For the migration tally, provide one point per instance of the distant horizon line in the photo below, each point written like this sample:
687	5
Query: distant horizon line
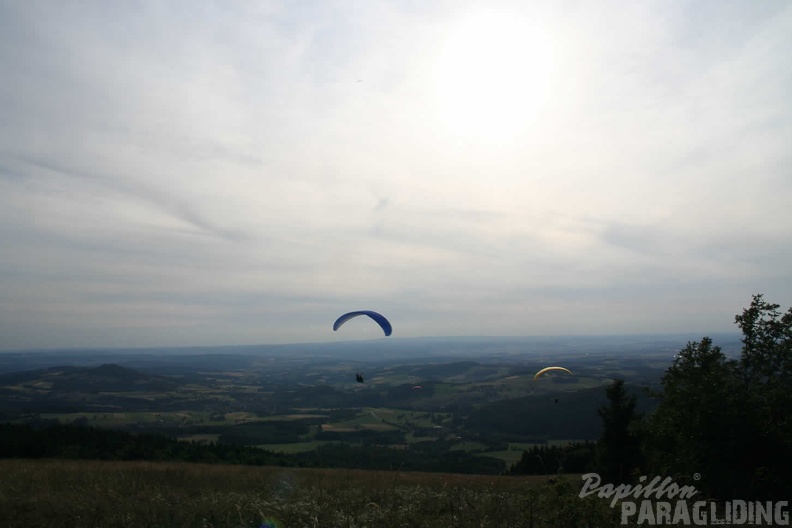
364	340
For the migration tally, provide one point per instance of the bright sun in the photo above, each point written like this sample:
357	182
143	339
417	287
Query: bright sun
492	76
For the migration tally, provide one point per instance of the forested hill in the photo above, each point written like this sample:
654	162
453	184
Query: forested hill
566	415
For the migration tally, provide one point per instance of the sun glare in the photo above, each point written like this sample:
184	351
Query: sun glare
492	76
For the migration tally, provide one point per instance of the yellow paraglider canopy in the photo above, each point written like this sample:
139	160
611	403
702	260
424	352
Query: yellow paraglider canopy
547	369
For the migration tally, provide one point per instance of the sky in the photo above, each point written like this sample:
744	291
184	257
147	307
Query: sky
218	173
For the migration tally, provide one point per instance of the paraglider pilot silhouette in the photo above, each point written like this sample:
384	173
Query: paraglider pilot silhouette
378	318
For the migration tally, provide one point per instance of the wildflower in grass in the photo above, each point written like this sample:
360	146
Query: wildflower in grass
269	523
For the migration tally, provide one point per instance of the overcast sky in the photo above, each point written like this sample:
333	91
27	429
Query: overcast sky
199	173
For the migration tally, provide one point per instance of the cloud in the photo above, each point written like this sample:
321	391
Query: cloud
190	174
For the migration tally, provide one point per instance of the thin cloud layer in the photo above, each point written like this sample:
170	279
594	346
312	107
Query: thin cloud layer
195	174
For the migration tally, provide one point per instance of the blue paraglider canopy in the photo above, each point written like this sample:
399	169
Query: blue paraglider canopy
379	318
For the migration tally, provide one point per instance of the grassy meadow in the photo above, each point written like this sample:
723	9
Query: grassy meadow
82	494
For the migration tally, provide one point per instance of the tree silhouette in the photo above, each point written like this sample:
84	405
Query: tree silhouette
727	420
619	445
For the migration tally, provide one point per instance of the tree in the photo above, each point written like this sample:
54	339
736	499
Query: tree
727	420
766	375
619	446
766	364
695	429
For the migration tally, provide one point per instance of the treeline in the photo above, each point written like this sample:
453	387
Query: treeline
421	456
577	457
76	442
722	425
271	432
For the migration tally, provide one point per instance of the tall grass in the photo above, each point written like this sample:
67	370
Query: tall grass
82	494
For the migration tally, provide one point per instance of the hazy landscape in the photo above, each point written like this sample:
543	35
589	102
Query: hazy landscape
293	398
436	406
437	431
